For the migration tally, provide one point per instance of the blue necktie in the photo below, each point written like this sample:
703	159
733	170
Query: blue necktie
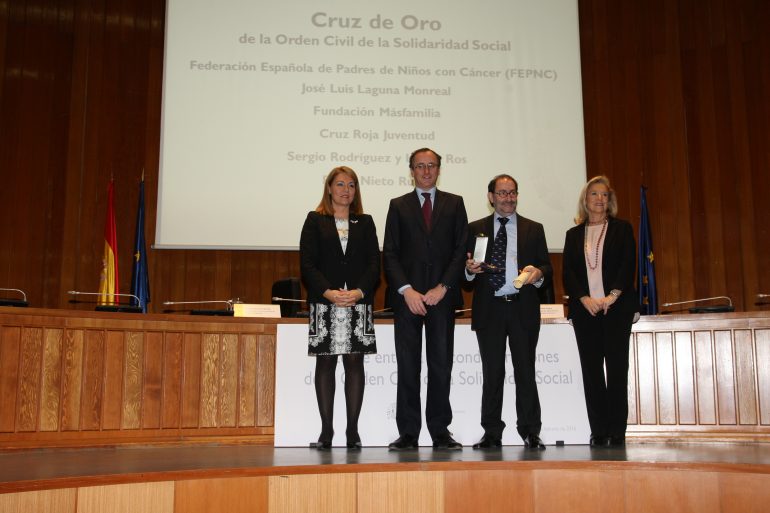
497	259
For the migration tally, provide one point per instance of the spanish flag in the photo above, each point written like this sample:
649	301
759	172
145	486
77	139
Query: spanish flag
108	283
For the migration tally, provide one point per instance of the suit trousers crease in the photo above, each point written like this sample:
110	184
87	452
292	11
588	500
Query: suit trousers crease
439	325
505	324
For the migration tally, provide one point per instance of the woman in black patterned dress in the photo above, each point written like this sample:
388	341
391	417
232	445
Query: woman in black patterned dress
340	263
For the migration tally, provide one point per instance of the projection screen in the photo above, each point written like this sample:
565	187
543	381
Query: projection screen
262	99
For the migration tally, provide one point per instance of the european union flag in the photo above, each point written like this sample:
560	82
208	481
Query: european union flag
140	278
648	292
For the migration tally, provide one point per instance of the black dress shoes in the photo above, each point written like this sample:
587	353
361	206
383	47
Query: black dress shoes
598	442
447	443
616	441
403	443
488	442
533	443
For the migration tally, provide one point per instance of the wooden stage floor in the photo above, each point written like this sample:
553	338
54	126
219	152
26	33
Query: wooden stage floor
22	470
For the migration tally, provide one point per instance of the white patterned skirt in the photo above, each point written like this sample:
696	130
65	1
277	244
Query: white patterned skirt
341	330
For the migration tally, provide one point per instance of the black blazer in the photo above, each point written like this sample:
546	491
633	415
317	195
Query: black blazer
414	255
323	264
618	266
531	250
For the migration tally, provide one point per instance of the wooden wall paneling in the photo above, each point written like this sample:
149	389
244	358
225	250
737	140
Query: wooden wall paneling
645	364
229	378
30	363
173	374
395	492
725	377
489	491
633	385
225	495
578	491
72	379
745	372
671	491
763	375
127	498
743	492
324	493
191	381
684	359
50	388
10	341
210	372
705	377
247	386
746	230
93	381
152	386
265	380
114	377
665	378
62	500
133	379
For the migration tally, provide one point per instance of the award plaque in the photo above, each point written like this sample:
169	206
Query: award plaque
480	251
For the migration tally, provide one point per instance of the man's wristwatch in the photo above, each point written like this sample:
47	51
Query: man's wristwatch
447	287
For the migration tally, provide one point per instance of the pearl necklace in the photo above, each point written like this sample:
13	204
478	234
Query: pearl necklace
587	249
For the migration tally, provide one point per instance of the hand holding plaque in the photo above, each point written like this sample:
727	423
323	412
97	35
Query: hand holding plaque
479	253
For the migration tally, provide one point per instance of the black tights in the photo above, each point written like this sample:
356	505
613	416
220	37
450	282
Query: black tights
325	367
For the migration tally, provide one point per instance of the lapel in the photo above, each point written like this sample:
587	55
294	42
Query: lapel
330	227
608	238
489	229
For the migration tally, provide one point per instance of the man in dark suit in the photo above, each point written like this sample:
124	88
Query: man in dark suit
504	310
424	253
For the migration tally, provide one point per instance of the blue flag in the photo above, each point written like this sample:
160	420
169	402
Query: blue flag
140	278
648	292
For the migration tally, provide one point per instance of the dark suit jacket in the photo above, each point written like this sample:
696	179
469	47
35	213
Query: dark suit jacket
618	266
532	250
324	265
413	255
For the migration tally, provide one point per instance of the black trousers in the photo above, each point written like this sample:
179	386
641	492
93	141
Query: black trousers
439	325
506	324
603	343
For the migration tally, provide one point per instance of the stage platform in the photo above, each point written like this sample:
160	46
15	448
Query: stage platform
717	477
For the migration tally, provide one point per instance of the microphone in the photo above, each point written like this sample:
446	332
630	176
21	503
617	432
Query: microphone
705	309
288	300
228	311
117	307
14	302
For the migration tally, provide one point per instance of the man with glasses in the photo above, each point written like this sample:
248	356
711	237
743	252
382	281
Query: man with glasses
423	255
506	306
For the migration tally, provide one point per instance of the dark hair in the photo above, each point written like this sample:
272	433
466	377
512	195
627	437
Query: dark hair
325	206
493	182
423	150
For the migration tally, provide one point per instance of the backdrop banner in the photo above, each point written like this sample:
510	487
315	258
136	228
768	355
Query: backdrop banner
297	422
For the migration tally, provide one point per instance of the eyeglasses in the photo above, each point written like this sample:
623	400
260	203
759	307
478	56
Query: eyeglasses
505	194
423	167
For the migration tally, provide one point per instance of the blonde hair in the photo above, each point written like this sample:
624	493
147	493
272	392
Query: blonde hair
612	201
325	207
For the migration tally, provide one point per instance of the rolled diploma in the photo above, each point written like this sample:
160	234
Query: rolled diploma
521	279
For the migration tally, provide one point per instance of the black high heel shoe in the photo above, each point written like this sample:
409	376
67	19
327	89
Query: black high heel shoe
324	442
354	441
